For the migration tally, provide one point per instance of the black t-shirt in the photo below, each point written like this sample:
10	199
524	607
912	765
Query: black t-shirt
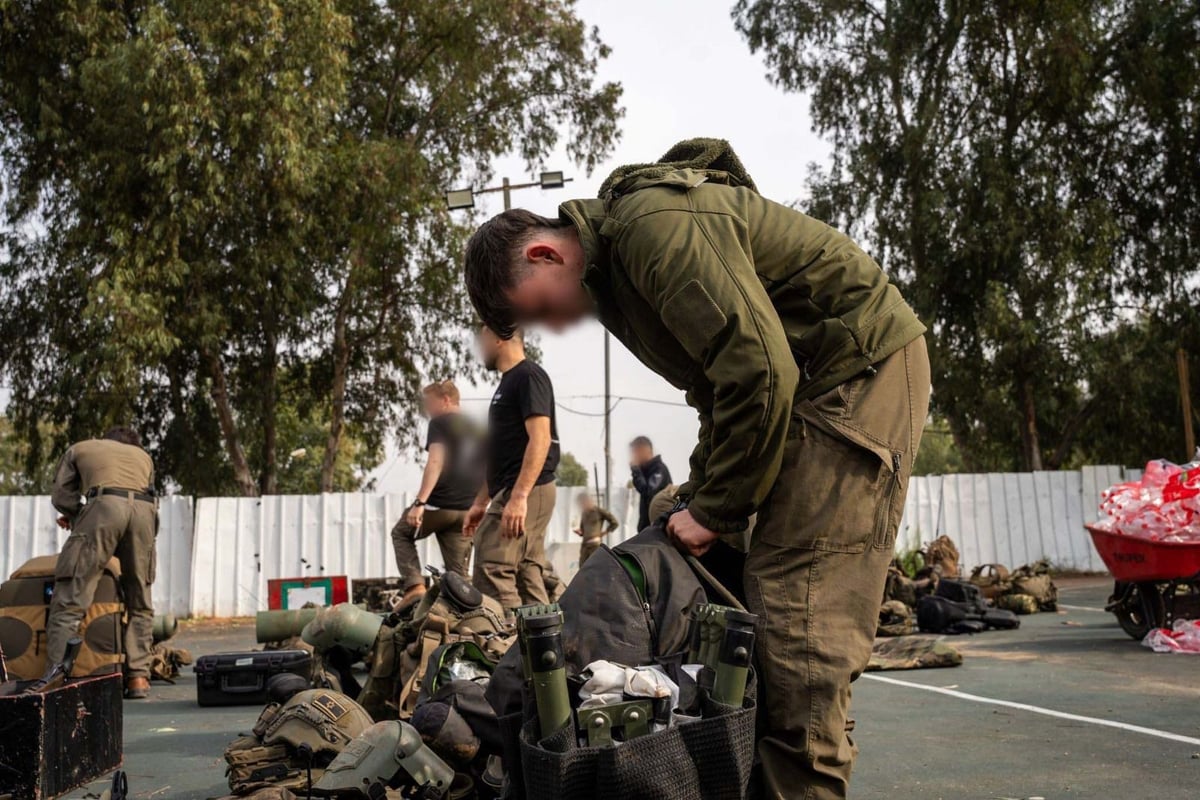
524	391
462	471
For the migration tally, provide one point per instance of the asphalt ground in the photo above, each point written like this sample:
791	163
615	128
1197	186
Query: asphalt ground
1067	706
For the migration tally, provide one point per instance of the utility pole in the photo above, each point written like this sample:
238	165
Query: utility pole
1185	398
607	426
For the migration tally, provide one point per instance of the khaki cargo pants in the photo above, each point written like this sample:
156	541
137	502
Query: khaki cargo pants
108	525
588	548
515	571
817	564
447	525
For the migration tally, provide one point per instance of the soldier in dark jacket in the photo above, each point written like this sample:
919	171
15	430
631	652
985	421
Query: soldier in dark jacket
650	476
811	379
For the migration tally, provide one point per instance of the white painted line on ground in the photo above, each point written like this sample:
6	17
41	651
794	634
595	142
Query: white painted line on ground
1049	712
1081	608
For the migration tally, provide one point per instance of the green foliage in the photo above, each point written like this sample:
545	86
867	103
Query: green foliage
939	453
570	472
15	457
1029	173
224	219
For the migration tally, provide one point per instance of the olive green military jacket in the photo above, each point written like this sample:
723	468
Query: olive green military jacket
745	304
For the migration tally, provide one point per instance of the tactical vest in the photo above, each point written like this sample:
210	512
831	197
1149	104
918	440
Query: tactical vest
25	608
400	658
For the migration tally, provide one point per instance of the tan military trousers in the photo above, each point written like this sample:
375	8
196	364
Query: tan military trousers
447	525
588	547
514	571
817	564
107	526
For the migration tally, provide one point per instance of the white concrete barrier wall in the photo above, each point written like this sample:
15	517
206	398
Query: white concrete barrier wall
28	528
214	558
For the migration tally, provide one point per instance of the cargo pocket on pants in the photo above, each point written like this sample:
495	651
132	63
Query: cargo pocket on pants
834	491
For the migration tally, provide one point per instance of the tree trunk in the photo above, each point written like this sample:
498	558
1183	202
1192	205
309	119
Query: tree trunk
268	480
337	391
1030	443
233	447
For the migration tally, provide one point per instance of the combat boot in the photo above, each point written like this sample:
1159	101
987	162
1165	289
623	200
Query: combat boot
137	688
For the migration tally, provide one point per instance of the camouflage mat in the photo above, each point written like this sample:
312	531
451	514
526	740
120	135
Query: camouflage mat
912	652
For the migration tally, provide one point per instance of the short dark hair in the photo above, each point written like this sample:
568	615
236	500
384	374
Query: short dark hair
124	435
642	440
491	269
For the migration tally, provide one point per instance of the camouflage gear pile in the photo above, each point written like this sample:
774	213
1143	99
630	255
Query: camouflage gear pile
942	555
912	652
293	742
992	580
1017	603
398	661
165	662
1034	580
895	619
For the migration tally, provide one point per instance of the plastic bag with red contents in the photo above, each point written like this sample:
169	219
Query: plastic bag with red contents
1164	505
1182	637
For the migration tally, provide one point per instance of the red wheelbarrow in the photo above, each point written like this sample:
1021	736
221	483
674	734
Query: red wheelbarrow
1156	582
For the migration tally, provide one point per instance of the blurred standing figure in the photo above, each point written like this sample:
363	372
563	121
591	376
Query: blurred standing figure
452	477
595	523
116	477
511	513
650	476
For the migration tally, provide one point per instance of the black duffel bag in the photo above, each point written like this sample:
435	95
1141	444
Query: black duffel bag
937	614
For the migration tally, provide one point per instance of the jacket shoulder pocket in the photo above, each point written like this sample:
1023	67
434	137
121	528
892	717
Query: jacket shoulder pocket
693	317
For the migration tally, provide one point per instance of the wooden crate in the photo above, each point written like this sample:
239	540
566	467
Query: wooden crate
53	743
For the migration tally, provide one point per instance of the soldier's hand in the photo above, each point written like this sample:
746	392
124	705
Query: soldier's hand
689	534
415	515
512	522
474	517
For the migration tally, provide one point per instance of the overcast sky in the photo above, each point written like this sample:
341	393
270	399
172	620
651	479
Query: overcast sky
686	72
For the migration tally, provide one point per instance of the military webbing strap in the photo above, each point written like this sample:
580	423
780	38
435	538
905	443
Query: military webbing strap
434	632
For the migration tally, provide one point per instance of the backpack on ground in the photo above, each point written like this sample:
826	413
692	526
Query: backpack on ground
1035	581
992	579
942	555
451	612
25	609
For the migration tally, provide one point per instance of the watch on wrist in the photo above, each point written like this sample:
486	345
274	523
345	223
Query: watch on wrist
418	504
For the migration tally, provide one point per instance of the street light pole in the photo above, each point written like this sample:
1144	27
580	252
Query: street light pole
507	189
608	462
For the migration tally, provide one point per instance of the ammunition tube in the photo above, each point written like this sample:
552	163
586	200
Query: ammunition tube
548	668
735	654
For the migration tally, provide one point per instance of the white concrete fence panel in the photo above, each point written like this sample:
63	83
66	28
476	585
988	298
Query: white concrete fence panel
216	555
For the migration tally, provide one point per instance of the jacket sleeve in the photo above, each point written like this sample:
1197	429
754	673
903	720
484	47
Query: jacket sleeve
695	270
610	519
639	480
65	495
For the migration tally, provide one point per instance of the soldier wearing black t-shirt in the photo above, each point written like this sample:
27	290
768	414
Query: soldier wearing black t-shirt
452	477
510	514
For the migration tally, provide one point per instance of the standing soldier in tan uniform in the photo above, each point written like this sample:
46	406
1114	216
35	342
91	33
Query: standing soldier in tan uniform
511	513
811	379
595	523
450	482
116	477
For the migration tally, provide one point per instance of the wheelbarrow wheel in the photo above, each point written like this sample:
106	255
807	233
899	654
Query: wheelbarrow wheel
1142	609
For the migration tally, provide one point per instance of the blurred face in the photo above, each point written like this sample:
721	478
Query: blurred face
586	501
550	293
640	453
